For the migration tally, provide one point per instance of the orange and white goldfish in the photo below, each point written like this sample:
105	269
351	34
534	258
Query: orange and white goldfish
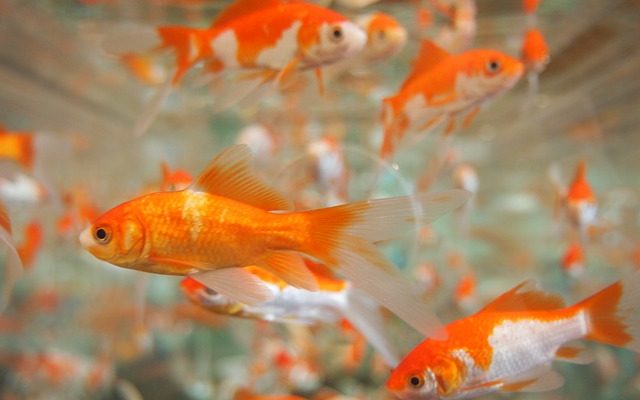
573	260
230	219
334	300
275	35
580	200
17	147
459	33
510	345
28	250
442	87
534	55
12	264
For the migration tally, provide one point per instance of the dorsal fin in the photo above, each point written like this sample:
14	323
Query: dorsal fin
429	55
525	297
231	175
242	8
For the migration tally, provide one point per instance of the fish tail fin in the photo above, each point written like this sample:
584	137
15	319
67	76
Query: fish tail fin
13	264
364	314
343	238
613	314
187	44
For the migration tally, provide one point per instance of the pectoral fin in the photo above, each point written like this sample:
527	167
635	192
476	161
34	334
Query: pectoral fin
236	284
290	267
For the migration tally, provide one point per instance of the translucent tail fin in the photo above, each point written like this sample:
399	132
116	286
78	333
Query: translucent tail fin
343	236
614	313
364	313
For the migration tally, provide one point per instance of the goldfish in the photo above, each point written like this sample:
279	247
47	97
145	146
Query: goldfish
580	201
12	264
441	87
174	180
272	40
17	147
465	290
458	34
80	209
573	260
534	55
510	345
385	36
229	219
143	68
530	6
335	299
28	250
22	188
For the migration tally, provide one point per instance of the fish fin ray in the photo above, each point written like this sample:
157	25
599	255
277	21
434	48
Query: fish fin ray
290	267
13	263
524	297
364	313
236	284
231	175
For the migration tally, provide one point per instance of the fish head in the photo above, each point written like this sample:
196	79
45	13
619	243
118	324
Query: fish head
328	38
429	372
117	236
413	384
385	36
487	73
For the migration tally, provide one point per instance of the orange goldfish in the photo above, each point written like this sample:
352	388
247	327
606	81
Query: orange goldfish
143	68
530	6
17	147
28	250
230	219
174	180
573	260
534	53
509	345
12	264
442	87
335	299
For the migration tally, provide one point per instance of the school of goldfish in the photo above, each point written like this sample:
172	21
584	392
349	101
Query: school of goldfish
315	199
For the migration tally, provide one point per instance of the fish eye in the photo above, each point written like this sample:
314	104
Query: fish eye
102	235
416	381
336	34
493	66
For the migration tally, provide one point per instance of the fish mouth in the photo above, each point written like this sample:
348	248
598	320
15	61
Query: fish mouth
86	239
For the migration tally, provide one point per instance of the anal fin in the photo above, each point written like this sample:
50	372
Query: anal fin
290	267
575	353
542	379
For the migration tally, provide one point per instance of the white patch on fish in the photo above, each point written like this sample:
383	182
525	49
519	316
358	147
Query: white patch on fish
283	51
225	48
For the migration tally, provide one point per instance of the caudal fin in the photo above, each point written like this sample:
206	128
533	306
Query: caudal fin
188	45
343	238
614	313
12	264
364	313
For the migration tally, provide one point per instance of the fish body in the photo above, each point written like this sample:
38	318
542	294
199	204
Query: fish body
443	86
272	35
509	346
229	219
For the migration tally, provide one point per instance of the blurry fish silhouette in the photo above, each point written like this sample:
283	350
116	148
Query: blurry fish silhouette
28	250
573	260
535	56
174	180
335	299
22	188
17	147
442	87
385	36
509	345
272	38
230	219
